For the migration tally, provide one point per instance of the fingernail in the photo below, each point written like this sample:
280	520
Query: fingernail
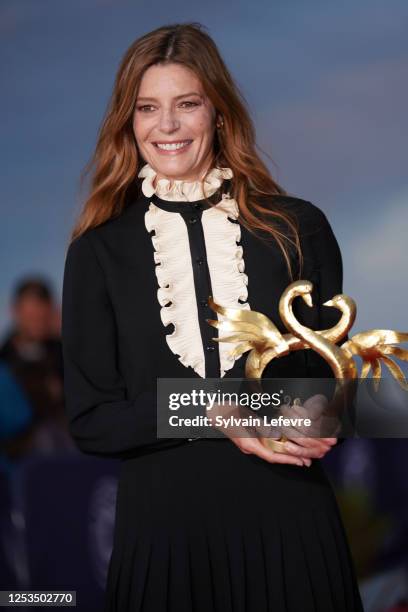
299	463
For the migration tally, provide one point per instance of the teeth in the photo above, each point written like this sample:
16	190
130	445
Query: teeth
173	147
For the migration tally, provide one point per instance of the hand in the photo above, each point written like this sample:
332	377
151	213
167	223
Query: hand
254	446
316	409
310	445
246	440
312	448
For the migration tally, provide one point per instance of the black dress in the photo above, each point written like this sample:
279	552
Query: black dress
200	526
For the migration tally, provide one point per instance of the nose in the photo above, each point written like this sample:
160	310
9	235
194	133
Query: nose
168	121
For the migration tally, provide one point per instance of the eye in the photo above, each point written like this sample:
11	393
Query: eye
145	107
190	103
141	108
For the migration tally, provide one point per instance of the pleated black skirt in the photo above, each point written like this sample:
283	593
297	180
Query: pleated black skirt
203	527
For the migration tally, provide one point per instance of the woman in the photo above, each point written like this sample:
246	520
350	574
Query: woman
180	206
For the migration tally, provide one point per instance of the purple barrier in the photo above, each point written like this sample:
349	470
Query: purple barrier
68	505
8	578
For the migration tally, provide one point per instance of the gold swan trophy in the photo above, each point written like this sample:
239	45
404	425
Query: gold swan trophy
254	332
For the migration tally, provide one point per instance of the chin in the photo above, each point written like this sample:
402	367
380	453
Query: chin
174	168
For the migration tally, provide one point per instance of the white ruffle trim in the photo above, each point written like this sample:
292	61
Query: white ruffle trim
176	293
176	190
226	264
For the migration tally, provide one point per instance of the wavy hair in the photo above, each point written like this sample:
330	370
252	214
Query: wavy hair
116	161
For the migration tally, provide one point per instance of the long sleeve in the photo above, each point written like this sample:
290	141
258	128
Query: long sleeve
102	420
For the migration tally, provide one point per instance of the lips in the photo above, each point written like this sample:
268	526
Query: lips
181	147
157	142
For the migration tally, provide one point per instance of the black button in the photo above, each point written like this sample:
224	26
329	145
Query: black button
210	349
193	220
197	206
203	303
200	261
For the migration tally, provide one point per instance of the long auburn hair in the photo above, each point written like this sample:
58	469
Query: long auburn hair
116	161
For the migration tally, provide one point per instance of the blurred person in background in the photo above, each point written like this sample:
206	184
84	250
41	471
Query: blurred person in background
32	353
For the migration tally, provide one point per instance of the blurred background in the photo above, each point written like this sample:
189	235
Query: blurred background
327	86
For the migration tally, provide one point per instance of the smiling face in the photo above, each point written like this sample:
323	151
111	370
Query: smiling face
173	111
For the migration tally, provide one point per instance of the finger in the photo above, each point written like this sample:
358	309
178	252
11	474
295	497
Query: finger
290	432
331	441
297	432
272	457
324	442
328	426
313	452
309	442
312	430
298	424
305	460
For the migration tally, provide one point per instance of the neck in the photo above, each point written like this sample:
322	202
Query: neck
199	176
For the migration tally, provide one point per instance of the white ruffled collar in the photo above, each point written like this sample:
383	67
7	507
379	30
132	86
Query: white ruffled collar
189	191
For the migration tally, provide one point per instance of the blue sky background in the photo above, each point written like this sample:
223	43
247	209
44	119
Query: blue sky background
327	85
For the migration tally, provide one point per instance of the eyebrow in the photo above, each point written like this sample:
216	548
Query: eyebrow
191	93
